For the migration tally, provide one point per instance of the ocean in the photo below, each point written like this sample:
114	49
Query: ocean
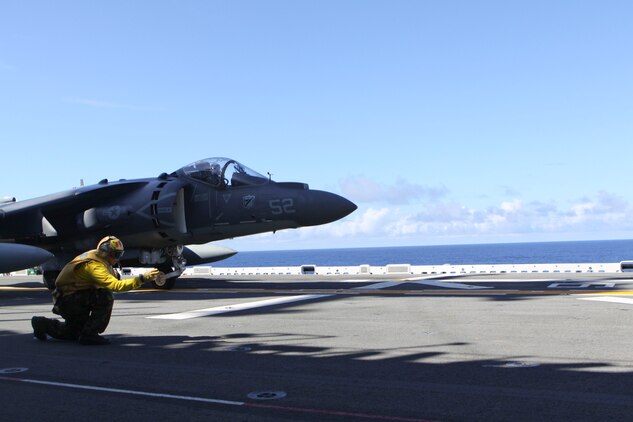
595	251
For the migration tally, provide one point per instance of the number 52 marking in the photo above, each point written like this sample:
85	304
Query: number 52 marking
282	206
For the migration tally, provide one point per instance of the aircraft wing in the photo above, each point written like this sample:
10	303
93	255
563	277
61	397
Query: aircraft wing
57	213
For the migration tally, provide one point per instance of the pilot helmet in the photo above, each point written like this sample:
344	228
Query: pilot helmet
110	246
203	165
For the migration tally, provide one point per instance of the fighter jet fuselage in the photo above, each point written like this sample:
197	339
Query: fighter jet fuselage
167	221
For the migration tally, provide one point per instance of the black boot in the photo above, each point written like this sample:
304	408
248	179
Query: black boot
39	325
93	340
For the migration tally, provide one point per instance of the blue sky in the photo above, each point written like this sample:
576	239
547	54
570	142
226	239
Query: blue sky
445	121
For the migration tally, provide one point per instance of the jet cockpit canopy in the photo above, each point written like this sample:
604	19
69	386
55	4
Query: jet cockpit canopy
222	172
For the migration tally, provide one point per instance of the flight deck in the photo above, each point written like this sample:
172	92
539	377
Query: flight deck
393	346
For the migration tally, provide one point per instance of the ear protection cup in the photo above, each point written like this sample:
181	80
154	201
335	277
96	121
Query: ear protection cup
110	246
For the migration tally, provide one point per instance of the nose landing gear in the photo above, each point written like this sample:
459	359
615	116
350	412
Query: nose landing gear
171	270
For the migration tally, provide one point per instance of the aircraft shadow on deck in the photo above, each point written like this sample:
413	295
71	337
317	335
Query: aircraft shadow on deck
406	385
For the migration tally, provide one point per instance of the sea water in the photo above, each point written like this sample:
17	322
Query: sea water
596	251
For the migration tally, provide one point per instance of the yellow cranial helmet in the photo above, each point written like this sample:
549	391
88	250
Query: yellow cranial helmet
110	246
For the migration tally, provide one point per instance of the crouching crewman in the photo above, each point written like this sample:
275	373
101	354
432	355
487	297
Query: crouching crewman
83	295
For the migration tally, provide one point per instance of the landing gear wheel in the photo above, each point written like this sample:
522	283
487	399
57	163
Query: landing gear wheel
48	278
165	283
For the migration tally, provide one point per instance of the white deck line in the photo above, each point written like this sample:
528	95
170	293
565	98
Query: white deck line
449	285
260	303
123	391
237	307
612	299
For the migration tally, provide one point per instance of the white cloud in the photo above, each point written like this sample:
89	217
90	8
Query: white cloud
365	190
370	222
582	208
513	206
604	212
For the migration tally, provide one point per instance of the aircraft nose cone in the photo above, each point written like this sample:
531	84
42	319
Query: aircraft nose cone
325	207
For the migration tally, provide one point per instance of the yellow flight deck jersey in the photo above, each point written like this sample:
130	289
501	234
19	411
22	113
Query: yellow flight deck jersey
90	271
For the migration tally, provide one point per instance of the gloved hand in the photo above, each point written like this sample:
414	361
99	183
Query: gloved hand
151	275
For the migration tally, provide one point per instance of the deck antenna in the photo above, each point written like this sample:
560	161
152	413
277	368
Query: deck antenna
270	176
81	182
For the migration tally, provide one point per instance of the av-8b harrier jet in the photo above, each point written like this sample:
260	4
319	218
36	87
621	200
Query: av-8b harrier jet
165	222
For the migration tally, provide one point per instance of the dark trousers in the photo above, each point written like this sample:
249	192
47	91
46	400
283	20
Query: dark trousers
85	313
